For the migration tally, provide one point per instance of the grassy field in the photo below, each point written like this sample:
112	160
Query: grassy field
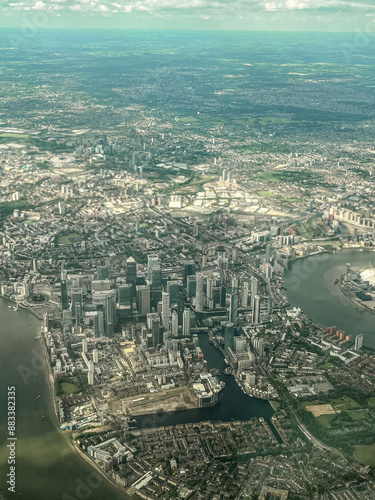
325	420
265	194
325	412
345	403
326	366
371	402
365	455
11	135
71	387
68	239
268	177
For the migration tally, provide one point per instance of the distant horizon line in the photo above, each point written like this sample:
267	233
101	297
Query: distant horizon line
183	30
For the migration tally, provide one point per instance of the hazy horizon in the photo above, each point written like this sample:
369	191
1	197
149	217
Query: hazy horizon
218	15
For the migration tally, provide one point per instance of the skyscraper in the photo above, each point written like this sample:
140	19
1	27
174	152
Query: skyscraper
165	310
78	313
155	330
358	343
64	291
186	323
255	304
110	312
102	273
152	262
189	270
143	298
233	306
254	287
131	271
245	294
67	318
199	294
156	276
191	287
228	335
124	294
77	298
172	290
210	293
174	328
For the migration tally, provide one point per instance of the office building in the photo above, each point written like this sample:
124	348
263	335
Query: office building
155	330
186	323
99	323
110	313
191	287
95	356
245	294
77	299
358	343
210	293
165	310
143	299
239	343
255	305
174	328
102	273
156	276
228	335
233	306
131	271
152	262
124	295
254	287
189	270
199	295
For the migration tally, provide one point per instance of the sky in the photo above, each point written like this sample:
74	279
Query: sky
274	15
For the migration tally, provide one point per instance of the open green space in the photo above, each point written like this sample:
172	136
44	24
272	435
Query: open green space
188	119
67	239
365	455
67	385
265	194
268	177
69	388
12	135
325	366
345	403
288	200
325	420
371	402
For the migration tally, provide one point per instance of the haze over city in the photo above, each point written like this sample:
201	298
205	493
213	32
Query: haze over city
187	237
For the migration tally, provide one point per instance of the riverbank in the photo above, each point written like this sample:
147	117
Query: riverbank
23	306
311	287
48	466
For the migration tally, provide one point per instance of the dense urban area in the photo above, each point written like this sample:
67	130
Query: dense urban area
149	225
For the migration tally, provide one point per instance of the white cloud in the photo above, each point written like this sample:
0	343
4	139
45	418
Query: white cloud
202	9
39	5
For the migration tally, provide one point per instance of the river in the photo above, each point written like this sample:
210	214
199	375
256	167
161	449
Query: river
47	465
310	285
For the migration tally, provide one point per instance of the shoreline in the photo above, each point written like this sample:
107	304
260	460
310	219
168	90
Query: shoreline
23	306
68	436
361	249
